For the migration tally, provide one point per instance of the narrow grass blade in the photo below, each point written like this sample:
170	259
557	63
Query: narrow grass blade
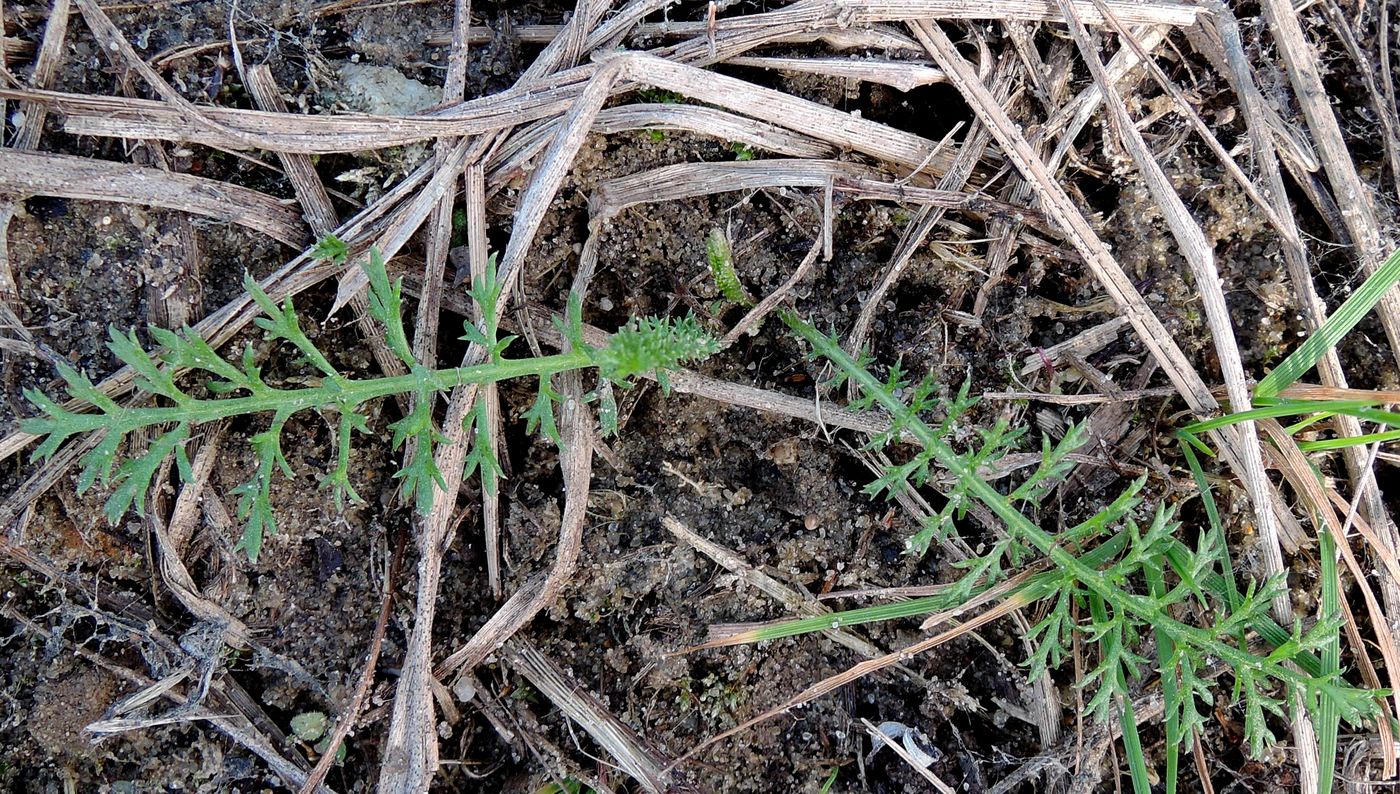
1303	424
1343	320
1157	586
1328	717
1132	748
1353	441
1288	408
1117	681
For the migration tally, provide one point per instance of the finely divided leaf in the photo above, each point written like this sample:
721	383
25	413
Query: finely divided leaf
339	478
282	322
607	410
386	306
133	478
486	292
149	375
188	350
421	473
254	496
331	248
720	256
541	413
482	457
653	345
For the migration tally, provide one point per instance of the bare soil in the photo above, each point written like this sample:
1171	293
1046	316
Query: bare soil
784	494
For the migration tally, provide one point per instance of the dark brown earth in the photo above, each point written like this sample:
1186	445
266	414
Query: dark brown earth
784	494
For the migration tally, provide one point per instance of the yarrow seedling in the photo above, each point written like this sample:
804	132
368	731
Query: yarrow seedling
644	346
1111	581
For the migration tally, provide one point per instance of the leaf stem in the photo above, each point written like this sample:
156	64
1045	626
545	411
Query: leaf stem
331	392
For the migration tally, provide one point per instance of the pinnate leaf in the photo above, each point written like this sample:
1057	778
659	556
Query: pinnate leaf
149	375
133	477
386	306
541	413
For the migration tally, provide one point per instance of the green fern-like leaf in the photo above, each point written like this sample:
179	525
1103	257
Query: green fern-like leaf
1054	465
420	475
720	256
541	414
149	376
386	307
133	478
607	410
281	322
486	292
482	458
1051	637
1112	584
254	496
187	350
80	387
338	480
1191	691
331	248
653	345
1257	706
649	346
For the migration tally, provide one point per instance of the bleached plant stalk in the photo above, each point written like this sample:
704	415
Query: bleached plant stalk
648	345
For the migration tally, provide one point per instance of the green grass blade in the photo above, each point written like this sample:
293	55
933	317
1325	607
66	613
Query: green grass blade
1303	424
1343	320
1132	748
1157	586
1314	411
1353	441
1328	716
1285	408
1127	717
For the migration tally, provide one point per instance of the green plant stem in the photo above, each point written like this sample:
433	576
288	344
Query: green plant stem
332	391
